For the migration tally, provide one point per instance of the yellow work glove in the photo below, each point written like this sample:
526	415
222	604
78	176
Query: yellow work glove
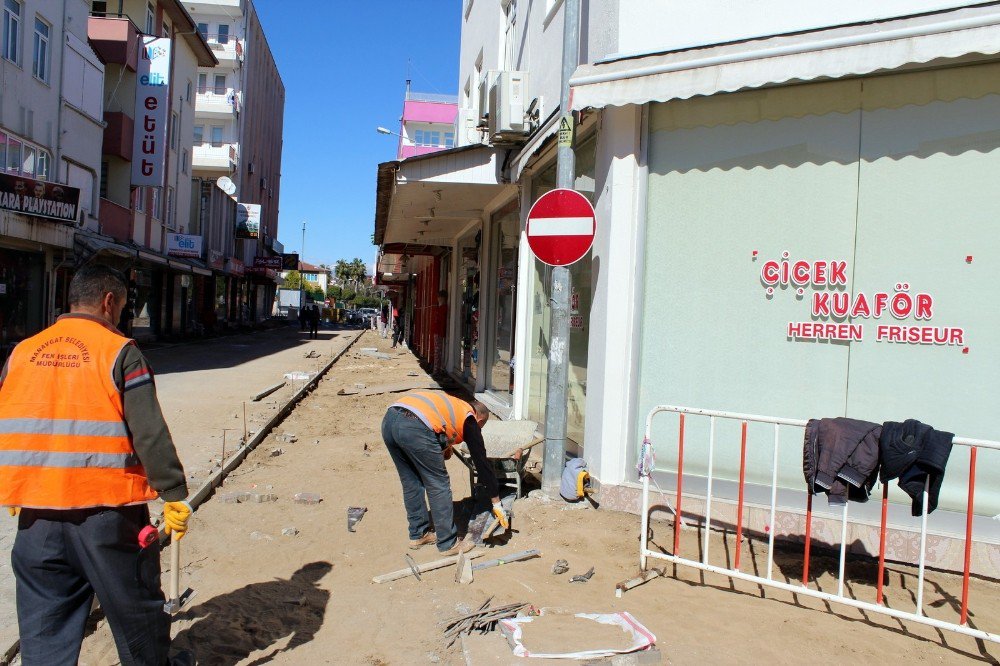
175	518
13	510
501	515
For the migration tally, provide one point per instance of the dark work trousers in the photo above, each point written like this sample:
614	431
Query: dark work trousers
314	328
416	451
62	558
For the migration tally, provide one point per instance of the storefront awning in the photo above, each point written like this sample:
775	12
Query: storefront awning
429	199
89	244
968	34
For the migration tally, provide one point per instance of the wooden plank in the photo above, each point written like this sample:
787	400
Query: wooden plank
429	566
390	388
266	392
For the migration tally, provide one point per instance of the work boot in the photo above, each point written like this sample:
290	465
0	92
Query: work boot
425	540
462	546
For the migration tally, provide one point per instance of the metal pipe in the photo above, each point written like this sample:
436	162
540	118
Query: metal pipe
643	538
881	544
558	371
680	487
739	509
708	499
805	554
774	503
826	596
923	547
968	538
843	551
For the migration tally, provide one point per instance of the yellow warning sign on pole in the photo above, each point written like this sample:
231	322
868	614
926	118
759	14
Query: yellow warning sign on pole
566	131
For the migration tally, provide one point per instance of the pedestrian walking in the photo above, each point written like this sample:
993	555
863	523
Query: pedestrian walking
314	322
83	448
420	430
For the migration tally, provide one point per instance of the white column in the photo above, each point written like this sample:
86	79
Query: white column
611	362
525	298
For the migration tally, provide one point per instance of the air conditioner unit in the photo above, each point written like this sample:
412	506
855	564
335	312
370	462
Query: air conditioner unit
465	128
507	106
485	87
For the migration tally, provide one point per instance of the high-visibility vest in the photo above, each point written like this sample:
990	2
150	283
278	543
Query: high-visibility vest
64	443
439	411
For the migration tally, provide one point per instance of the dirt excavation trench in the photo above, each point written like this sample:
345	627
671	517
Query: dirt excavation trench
286	583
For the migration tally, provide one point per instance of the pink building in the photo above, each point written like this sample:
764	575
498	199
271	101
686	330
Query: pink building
427	125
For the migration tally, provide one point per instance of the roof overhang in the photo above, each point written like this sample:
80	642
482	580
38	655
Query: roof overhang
968	34
424	202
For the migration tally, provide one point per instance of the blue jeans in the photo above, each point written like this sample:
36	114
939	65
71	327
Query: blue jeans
415	450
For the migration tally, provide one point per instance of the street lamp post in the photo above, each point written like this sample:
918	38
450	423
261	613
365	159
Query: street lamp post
302	279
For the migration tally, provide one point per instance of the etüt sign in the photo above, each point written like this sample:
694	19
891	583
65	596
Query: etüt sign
36	197
838	314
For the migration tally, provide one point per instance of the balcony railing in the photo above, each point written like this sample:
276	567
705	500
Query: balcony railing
224	46
211	100
431	97
113	37
214	155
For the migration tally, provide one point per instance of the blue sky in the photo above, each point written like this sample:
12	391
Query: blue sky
344	65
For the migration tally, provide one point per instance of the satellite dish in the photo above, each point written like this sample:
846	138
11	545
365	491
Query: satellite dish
226	185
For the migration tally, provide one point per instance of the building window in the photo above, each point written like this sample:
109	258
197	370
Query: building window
28	164
104	180
164	30
12	31
223	33
42	165
449	139
220	84
199	135
169	218
203	29
140	199
184	161
13	155
154	209
428	138
40	67
216	136
173	130
187	95
150	18
202	84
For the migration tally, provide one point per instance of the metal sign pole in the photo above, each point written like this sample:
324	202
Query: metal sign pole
558	375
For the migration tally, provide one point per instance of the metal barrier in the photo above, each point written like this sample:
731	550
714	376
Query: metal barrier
645	468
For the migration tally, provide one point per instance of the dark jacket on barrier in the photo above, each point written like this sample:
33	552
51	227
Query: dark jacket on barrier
914	452
840	457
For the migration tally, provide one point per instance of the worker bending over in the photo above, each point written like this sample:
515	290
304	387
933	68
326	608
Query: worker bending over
420	430
83	448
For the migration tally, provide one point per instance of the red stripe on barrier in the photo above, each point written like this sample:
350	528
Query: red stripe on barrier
680	484
968	538
805	556
881	543
739	512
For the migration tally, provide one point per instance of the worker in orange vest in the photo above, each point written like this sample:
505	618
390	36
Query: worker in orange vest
420	430
83	448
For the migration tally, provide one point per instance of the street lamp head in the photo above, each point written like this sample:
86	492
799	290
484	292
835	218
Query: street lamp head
383	130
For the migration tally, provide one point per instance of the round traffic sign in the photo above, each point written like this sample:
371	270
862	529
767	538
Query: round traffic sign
561	227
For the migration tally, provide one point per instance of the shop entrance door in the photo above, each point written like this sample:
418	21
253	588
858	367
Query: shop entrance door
506	236
468	273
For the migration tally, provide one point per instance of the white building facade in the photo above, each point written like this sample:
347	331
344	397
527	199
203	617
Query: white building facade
51	129
712	141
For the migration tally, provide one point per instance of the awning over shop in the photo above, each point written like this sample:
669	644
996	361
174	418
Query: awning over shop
425	201
962	35
88	244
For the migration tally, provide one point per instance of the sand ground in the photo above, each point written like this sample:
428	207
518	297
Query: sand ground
264	597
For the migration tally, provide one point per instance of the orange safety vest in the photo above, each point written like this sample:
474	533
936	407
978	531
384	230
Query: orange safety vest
440	412
64	443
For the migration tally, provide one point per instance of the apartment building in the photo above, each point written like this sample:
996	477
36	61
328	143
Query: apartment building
719	144
151	51
51	113
238	137
427	124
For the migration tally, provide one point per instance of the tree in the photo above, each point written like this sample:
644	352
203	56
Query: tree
317	294
293	280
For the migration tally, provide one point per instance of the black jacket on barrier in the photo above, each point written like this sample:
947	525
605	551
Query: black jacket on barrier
914	452
840	456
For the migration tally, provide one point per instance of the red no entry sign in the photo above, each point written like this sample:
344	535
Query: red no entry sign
561	227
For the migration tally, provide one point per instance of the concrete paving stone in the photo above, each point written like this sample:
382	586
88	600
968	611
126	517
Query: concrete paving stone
260	498
307	498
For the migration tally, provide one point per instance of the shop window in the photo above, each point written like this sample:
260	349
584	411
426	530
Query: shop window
468	267
40	62
28	163
43	160
506	238
12	31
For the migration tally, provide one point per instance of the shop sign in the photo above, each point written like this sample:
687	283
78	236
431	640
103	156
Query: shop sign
149	145
215	260
235	266
290	262
36	197
274	263
184	245
836	313
247	220
576	321
574	301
